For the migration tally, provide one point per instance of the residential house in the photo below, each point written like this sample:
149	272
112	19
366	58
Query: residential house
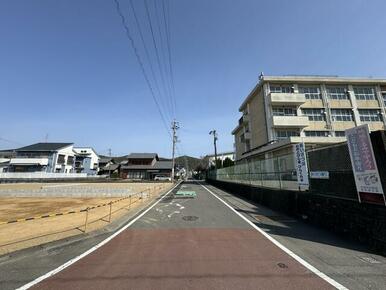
44	157
86	160
220	156
5	158
145	166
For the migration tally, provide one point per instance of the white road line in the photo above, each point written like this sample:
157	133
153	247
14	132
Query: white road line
105	241
282	247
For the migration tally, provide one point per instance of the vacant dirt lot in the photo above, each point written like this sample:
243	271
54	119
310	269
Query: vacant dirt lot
25	234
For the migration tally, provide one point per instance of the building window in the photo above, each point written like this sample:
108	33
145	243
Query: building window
340	134
61	159
337	93
315	114
284	111
284	134
284	89
364	93
247	145
70	160
368	115
311	93
340	115
384	98
316	133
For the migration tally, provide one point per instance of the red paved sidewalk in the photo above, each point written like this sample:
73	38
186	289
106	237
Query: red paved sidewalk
195	258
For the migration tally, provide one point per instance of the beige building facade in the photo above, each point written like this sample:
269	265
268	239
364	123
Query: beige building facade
316	110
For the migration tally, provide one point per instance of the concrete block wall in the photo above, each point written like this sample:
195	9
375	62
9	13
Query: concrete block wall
347	217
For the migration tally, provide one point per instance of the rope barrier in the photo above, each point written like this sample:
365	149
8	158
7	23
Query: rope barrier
77	211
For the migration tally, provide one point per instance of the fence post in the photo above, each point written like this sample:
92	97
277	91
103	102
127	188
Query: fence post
280	184
85	223
130	202
279	172
111	205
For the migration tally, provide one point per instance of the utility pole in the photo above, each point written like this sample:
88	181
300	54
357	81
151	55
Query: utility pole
175	127
214	133
109	165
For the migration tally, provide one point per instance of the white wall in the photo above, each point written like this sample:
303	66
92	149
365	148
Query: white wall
40	175
91	153
66	151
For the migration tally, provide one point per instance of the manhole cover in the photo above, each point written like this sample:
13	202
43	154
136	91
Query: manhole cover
190	218
282	265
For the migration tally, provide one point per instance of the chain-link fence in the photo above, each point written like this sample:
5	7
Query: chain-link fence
278	172
336	161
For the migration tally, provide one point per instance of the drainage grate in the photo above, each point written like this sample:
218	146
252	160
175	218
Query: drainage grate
190	218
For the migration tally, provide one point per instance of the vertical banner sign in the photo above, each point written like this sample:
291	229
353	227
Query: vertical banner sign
301	165
367	180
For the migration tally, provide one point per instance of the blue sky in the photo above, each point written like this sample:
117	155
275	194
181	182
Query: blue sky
67	69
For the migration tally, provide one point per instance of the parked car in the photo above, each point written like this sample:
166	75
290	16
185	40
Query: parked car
162	178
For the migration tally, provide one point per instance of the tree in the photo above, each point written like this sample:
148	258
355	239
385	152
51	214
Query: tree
219	164
228	162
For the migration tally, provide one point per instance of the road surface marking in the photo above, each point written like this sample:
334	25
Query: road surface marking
105	241
282	247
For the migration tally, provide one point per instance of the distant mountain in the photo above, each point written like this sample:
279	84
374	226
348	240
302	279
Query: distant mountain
190	162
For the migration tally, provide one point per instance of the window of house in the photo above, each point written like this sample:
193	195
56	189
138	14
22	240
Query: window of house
340	115
311	93
337	93
340	134
384	98
247	145
364	93
281	89
70	160
369	115
61	159
284	134
316	133
315	114
284	111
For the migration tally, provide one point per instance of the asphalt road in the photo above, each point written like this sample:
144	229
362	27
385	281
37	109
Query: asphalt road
200	243
187	243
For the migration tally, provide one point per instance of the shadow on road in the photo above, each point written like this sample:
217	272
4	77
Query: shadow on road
279	224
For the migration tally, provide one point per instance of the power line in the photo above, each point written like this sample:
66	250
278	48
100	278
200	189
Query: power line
10	141
155	46
165	56
147	53
128	35
167	29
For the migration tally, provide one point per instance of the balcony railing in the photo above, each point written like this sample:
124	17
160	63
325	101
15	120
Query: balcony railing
290	121
287	98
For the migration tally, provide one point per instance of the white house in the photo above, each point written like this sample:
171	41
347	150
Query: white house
221	156
5	158
44	157
86	160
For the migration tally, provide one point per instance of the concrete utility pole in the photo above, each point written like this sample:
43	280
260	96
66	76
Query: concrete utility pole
214	133
109	165
175	127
